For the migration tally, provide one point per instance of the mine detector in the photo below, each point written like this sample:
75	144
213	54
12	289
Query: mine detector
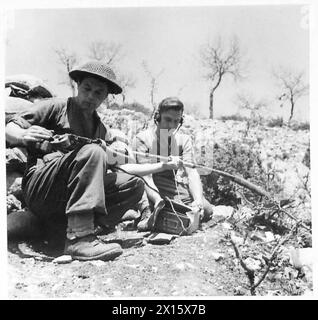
173	217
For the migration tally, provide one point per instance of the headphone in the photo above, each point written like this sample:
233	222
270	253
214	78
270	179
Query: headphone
166	103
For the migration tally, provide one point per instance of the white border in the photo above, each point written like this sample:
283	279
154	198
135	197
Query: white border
21	4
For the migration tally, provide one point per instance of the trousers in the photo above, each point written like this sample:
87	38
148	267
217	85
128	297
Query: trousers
75	191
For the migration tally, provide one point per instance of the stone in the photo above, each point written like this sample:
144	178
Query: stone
217	256
63	259
253	264
180	266
15	188
161	238
226	226
236	239
300	257
269	236
13	204
257	236
16	159
222	211
97	263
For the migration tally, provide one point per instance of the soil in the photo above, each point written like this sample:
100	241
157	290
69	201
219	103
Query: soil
203	264
186	266
199	265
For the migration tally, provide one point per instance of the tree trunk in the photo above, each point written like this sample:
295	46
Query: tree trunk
292	102
211	107
211	104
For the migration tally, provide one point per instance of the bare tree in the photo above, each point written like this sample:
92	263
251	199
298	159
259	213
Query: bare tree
111	52
153	83
292	85
254	107
68	60
219	61
126	82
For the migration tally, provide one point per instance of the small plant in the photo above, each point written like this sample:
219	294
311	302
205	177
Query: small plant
234	117
306	160
300	126
241	159
135	106
276	122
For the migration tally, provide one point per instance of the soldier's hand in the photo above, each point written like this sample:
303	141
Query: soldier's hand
173	163
36	134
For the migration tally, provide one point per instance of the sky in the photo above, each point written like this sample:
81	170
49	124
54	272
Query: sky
168	39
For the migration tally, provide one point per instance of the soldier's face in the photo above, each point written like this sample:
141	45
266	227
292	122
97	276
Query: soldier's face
170	119
91	93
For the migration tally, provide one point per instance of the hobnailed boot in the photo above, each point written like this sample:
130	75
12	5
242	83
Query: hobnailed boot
91	248
148	218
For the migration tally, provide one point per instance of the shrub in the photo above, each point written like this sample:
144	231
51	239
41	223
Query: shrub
135	106
300	126
239	159
306	159
235	117
276	122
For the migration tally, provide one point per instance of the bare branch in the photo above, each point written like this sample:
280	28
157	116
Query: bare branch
110	52
68	60
126	82
153	78
219	62
292	86
249	272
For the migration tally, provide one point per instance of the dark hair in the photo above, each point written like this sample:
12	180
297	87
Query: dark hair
170	103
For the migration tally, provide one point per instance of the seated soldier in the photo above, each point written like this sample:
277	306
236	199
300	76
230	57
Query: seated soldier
71	191
184	184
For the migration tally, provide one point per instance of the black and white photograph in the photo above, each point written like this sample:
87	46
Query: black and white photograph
157	151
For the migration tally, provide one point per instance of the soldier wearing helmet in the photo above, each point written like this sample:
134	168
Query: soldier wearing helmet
72	191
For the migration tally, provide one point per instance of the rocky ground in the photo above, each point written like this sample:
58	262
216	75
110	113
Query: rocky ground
202	264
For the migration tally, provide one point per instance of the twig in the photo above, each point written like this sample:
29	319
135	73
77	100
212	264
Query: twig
249	272
295	219
270	260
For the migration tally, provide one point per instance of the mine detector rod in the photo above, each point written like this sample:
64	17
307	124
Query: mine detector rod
66	139
204	170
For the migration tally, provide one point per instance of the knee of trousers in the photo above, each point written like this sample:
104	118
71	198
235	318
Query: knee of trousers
92	151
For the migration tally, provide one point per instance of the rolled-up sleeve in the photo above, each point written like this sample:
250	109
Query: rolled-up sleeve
140	145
